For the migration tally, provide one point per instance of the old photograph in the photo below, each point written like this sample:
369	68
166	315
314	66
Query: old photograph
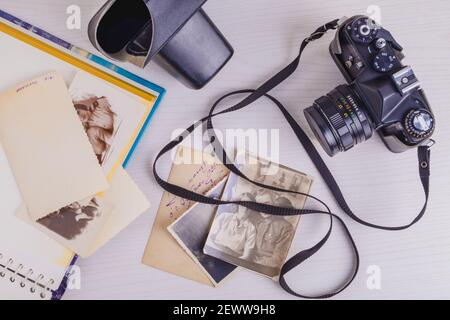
100	123
70	222
191	230
254	240
111	117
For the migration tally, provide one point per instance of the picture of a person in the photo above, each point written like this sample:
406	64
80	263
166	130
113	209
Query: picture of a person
70	221
234	232
273	235
268	236
265	196
98	120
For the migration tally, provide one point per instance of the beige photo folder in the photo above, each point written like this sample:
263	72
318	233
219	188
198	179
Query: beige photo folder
53	163
163	251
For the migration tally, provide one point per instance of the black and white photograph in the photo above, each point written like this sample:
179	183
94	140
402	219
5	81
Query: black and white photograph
254	240
191	230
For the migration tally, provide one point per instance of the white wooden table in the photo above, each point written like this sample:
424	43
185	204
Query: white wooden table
382	187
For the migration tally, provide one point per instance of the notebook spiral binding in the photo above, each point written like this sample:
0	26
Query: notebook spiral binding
15	273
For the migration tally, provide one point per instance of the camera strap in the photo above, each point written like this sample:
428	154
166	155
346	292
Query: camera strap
300	257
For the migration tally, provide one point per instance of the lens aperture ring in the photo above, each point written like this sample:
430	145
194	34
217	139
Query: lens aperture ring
366	126
347	105
345	111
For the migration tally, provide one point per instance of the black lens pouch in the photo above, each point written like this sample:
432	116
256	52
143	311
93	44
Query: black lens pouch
121	24
179	33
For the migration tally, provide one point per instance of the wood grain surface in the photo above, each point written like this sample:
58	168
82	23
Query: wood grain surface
381	187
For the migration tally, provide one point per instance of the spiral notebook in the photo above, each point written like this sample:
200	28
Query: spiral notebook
28	258
33	265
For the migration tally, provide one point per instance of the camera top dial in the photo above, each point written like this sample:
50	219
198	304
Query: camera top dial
385	60
363	30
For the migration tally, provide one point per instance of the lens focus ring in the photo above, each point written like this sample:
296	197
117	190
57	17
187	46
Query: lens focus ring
339	120
335	123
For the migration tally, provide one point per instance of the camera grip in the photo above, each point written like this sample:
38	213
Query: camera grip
197	52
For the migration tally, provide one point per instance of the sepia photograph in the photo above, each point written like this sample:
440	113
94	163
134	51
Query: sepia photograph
110	116
70	222
250	239
191	230
100	123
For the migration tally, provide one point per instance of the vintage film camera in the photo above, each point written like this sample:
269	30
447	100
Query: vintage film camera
382	94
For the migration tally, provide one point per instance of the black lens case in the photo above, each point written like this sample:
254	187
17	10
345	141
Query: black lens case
179	33
121	25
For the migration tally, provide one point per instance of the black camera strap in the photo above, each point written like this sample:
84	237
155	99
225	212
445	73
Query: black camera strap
253	95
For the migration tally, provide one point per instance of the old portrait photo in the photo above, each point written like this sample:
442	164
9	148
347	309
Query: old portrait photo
191	230
70	222
254	240
111	117
100	123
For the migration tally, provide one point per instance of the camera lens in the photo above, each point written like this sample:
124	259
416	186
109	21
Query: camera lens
339	120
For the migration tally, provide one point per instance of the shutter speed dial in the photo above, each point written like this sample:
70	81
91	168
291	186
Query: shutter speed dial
419	123
385	60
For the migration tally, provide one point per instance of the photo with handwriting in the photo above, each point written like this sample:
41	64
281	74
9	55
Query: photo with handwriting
205	175
254	240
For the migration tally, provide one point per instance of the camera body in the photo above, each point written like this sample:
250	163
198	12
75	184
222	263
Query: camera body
382	94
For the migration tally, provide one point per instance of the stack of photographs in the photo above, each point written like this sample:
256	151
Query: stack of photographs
221	238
